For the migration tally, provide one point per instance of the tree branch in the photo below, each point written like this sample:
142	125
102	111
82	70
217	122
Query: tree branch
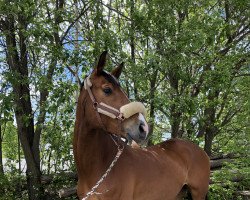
233	42
73	23
229	117
117	11
240	75
74	74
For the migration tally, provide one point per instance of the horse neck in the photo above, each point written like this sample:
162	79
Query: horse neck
94	148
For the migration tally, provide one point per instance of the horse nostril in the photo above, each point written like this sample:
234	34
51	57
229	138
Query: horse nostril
141	128
142	131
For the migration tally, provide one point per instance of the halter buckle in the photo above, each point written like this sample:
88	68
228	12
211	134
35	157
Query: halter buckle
120	117
95	105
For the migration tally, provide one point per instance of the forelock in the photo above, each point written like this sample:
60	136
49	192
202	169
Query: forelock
110	78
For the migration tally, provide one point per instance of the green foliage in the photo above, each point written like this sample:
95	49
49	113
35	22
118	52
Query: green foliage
230	179
235	175
190	67
10	143
11	186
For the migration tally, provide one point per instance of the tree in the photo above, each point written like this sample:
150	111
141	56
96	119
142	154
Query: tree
200	65
22	32
187	61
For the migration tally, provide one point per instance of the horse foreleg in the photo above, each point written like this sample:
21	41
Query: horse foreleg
198	194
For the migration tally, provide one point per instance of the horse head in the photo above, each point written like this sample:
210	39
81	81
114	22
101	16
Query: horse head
107	107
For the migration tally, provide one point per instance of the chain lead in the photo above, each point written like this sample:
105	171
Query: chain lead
118	154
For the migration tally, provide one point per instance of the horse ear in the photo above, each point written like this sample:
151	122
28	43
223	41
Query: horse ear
101	63
118	70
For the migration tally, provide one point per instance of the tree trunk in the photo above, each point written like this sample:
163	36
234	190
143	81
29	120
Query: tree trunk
210	120
18	64
1	150
132	44
49	163
175	120
215	164
152	105
209	136
132	37
175	113
67	192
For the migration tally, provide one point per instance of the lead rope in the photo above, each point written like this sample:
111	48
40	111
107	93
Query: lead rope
118	154
120	148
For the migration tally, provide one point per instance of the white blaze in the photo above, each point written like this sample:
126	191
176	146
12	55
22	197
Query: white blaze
145	127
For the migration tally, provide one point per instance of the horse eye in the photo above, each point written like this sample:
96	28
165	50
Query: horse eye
107	91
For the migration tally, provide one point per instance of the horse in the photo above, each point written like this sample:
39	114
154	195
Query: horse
108	168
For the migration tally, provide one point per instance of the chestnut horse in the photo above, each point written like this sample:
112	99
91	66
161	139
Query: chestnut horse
109	169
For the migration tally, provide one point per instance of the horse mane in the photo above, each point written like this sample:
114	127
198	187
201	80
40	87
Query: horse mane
110	78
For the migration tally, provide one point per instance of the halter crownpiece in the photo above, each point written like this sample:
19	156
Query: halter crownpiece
87	83
124	112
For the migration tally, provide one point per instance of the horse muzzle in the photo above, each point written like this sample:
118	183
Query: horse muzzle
136	128
140	126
